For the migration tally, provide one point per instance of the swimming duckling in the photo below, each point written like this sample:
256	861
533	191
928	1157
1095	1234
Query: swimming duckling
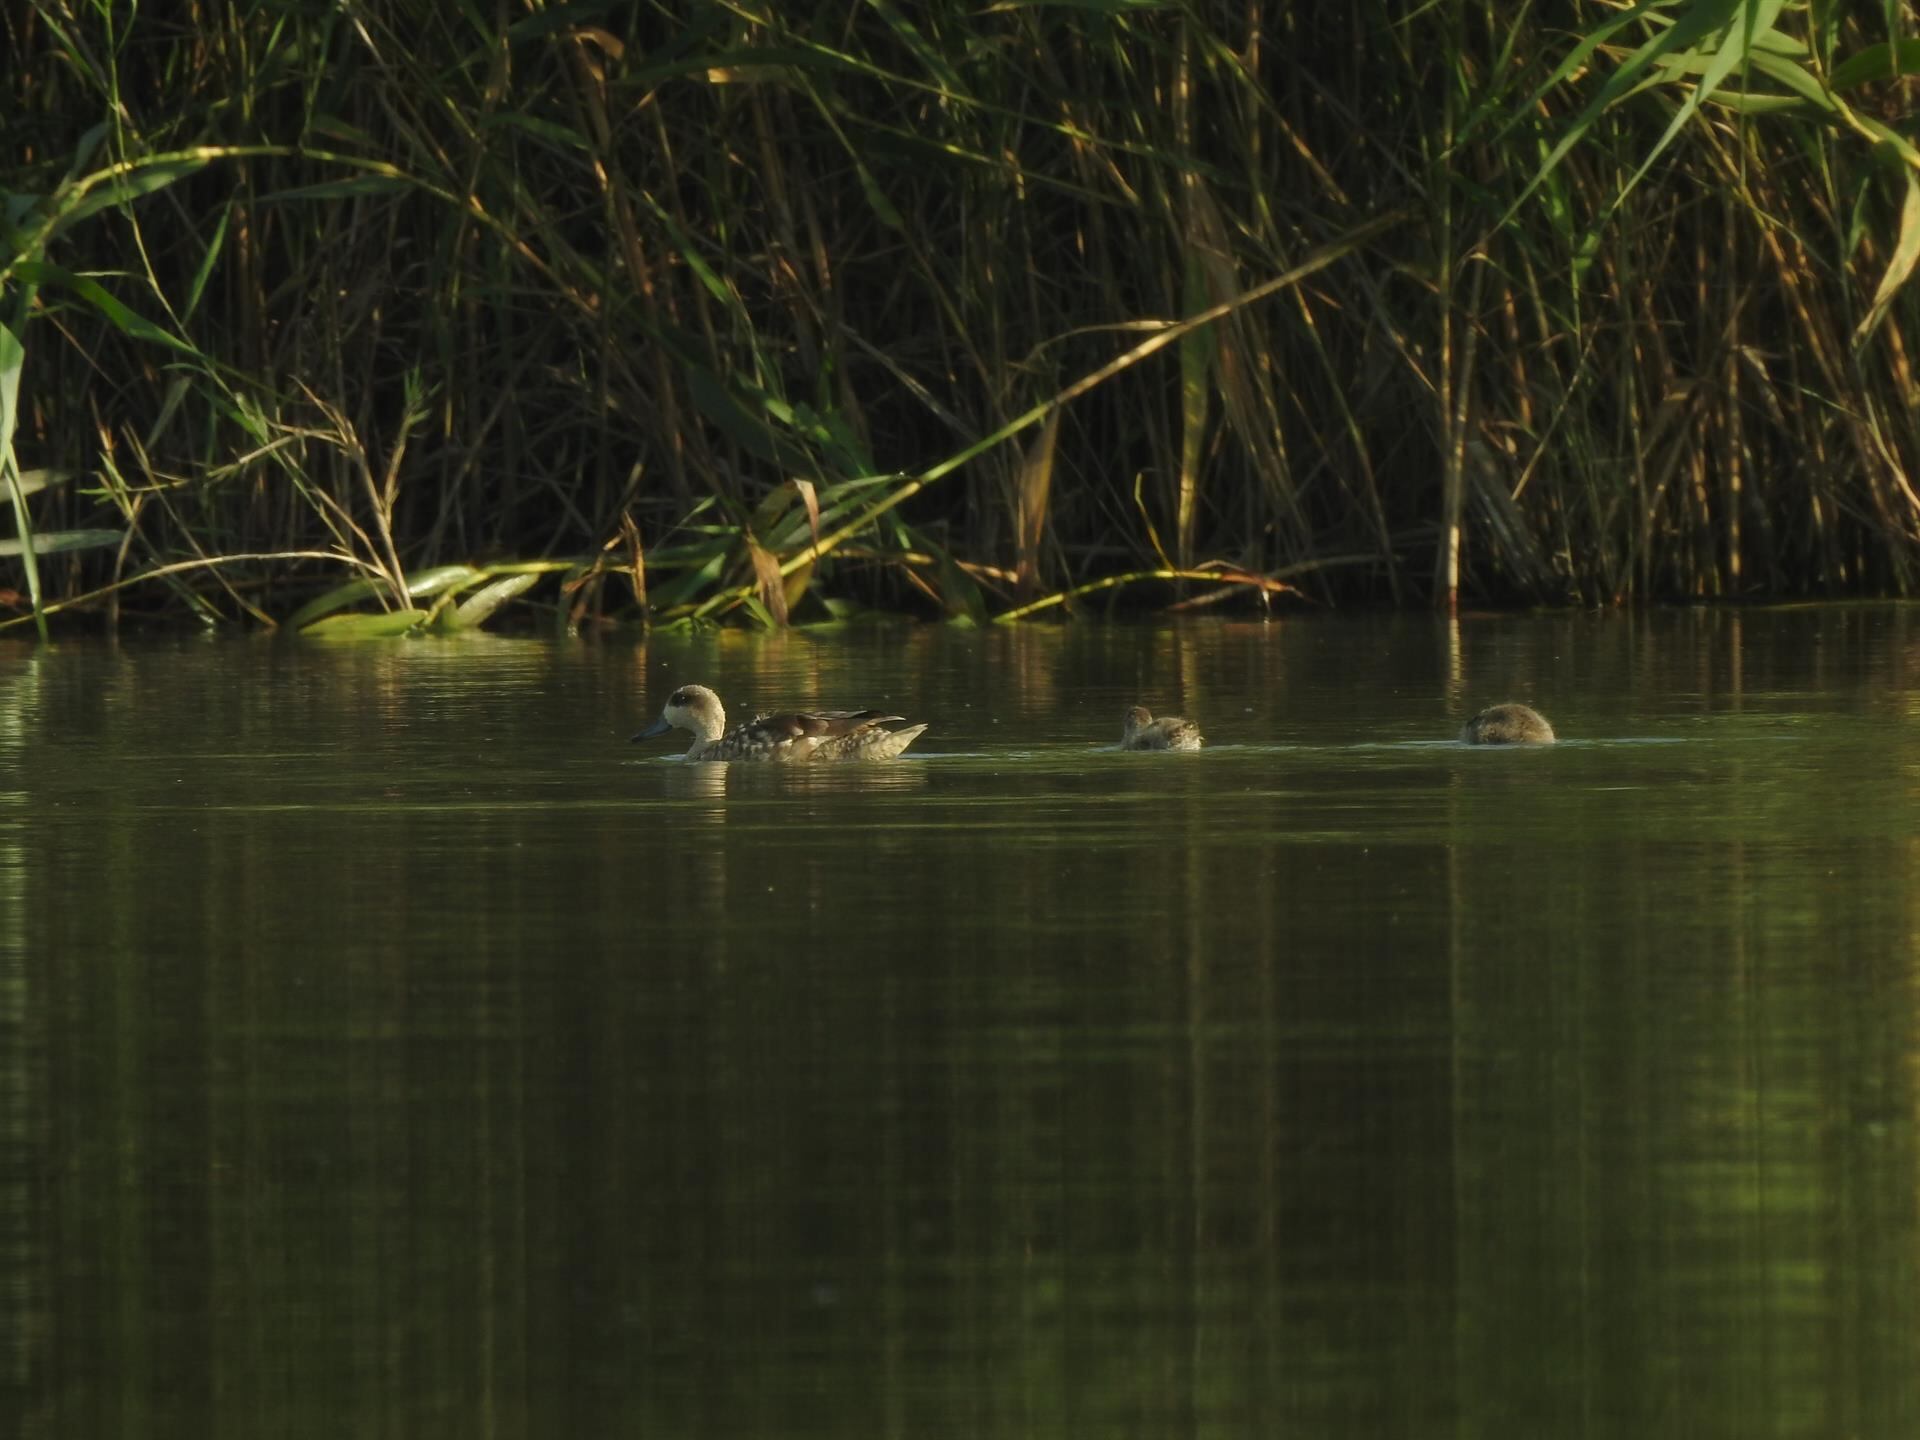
1140	731
802	735
1507	725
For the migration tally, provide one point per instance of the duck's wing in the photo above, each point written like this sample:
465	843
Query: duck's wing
1183	735
817	724
823	723
869	742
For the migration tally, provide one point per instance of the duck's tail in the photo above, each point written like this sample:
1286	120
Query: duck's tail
893	743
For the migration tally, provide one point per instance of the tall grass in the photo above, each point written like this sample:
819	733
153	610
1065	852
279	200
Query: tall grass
732	309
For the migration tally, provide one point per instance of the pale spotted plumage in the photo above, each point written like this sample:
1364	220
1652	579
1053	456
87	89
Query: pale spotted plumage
1140	731
802	735
1507	725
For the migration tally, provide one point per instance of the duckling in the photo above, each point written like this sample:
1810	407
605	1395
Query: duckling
1140	731
1507	725
802	735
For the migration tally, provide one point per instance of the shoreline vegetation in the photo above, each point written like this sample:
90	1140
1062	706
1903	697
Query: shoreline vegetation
374	319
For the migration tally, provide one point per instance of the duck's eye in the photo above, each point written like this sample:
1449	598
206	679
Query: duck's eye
680	697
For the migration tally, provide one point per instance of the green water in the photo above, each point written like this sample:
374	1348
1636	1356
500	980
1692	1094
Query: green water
391	1049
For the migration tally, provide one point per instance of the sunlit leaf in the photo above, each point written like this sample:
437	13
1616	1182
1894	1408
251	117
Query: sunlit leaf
420	586
381	626
1734	24
338	598
1906	253
426	583
123	189
32	480
52	542
766	574
13	356
1197	352
1034	482
478	607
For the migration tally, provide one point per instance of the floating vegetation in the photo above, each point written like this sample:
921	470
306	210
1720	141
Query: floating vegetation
486	589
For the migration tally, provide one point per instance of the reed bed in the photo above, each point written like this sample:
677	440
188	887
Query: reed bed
725	310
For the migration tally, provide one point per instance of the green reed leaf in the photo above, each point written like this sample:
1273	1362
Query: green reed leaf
1900	265
52	542
478	608
148	177
384	626
121	316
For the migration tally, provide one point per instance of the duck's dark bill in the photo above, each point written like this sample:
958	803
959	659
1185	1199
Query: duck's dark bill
658	727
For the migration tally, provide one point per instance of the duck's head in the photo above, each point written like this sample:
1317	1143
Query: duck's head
1137	718
691	707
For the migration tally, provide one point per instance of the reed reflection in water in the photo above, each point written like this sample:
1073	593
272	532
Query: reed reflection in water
388	1047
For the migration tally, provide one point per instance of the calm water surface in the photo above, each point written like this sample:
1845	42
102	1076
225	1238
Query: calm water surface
390	1049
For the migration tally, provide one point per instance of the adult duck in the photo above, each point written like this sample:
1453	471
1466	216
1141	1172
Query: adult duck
1140	731
801	735
1507	725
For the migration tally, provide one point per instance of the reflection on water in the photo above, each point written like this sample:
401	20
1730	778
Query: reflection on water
713	780
389	1048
